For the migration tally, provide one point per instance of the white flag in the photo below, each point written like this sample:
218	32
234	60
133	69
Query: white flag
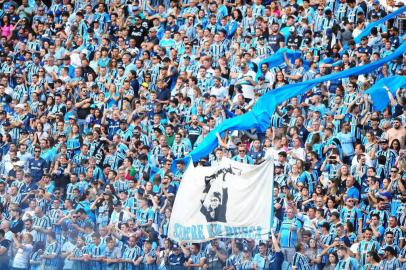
231	200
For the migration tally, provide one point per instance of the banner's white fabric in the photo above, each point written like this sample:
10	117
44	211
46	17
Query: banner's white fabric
231	200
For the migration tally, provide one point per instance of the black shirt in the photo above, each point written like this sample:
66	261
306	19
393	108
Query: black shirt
294	41
274	40
138	33
163	94
82	112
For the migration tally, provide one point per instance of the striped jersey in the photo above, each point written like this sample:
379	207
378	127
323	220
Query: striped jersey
347	264
288	236
52	249
44	223
365	247
301	262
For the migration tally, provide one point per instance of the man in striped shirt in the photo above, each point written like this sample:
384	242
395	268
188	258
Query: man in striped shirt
300	261
131	253
345	261
217	49
366	246
42	225
398	234
288	234
390	262
51	253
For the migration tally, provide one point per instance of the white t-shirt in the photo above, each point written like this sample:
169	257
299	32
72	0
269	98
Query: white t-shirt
32	232
272	152
220	92
22	256
115	217
68	247
300	154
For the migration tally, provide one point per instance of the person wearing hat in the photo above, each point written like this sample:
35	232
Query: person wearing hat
389	154
376	10
119	216
125	132
247	262
177	258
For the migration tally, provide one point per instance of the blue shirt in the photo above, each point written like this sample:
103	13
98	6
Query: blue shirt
37	167
289	237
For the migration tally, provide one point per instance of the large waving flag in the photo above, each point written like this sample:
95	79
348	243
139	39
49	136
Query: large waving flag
259	117
369	27
378	92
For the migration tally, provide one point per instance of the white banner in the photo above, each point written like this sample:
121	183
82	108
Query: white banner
231	200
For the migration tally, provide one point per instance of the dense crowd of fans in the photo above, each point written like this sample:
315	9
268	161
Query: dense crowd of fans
98	99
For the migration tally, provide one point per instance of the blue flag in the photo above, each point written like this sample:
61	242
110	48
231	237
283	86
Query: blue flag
368	29
378	92
259	117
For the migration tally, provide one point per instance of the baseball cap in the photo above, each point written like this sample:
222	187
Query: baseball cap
375	2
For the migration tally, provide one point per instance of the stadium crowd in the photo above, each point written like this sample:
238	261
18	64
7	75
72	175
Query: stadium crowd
98	99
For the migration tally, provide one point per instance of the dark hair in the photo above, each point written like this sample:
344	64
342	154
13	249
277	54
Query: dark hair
335	256
391	145
374	256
